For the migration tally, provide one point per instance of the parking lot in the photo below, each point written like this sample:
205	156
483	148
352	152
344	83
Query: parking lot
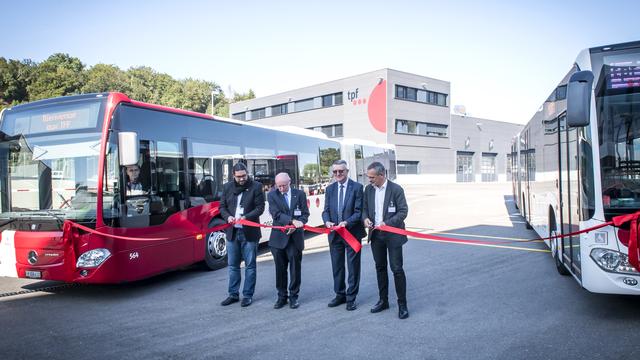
502	300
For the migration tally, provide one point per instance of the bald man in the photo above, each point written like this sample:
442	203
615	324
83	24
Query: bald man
287	207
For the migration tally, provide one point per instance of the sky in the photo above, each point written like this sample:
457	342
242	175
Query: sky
502	58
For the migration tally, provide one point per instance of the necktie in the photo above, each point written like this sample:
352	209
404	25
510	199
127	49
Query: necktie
286	199
340	202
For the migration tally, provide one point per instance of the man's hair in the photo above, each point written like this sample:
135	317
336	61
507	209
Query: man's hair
239	167
378	167
340	162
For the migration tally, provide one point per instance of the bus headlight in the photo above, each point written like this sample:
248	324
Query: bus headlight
92	258
613	261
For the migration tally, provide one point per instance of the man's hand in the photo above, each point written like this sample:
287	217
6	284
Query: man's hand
328	224
342	224
368	223
382	224
297	223
231	219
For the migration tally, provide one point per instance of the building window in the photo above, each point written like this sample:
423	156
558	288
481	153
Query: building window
337	98
408	167
423	96
303	105
327	100
278	109
421	128
488	167
329	130
258	114
240	116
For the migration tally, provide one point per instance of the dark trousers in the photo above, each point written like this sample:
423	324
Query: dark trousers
292	257
380	249
338	248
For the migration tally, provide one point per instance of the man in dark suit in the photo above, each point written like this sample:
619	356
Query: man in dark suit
242	198
385	204
343	207
287	207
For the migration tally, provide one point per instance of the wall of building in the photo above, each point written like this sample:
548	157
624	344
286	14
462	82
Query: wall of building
370	109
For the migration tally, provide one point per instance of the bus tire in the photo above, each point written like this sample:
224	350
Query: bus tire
524	214
215	252
556	253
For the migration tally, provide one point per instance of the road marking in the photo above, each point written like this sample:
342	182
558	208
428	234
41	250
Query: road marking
480	236
490	245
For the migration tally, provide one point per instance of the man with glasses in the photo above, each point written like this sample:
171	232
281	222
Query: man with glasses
343	207
287	207
385	204
242	198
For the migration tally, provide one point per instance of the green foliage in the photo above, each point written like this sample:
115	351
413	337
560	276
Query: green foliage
104	78
15	76
59	75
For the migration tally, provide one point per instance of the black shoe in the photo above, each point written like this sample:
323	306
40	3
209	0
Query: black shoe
280	304
293	303
246	302
403	312
337	301
351	305
379	306
228	301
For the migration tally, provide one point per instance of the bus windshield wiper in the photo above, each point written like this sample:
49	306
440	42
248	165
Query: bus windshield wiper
59	220
8	222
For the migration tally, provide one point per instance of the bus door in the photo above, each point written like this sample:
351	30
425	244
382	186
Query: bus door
569	195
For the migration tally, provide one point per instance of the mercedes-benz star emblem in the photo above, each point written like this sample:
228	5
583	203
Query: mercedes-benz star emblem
32	257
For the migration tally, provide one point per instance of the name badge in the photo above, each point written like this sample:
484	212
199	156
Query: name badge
392	209
297	212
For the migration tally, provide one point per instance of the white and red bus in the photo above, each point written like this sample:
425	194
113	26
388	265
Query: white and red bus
65	159
576	165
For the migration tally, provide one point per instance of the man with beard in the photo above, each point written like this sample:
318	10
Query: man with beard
242	198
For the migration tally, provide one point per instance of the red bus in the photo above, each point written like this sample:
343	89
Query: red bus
143	180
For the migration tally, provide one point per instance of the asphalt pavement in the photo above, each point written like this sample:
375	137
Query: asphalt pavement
502	300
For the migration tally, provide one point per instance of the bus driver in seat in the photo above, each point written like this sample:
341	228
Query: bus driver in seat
134	186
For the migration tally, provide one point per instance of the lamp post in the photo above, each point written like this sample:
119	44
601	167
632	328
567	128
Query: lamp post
213	101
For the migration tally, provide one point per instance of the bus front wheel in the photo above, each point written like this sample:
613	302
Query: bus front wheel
556	252
215	256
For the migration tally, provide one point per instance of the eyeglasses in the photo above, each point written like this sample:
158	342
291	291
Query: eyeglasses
339	171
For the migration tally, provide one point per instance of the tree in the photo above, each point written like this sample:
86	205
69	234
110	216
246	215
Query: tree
15	76
104	78
59	75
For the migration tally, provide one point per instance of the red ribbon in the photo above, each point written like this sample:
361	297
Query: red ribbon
341	230
617	221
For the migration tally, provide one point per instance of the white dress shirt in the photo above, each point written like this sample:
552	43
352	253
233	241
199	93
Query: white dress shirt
380	193
239	210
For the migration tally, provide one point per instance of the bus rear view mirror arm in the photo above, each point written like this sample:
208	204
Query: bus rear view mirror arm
128	148
579	98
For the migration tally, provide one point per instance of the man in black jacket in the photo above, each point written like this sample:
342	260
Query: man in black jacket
287	207
385	204
343	207
242	198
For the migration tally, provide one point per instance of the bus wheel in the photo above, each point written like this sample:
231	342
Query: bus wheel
215	255
524	214
556	252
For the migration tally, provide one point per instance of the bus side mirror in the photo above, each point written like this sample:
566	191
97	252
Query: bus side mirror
579	98
128	148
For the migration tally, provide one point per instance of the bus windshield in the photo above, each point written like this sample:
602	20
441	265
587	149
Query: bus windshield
618	115
49	160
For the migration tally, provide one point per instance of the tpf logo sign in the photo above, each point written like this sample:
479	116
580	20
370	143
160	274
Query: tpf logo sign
352	95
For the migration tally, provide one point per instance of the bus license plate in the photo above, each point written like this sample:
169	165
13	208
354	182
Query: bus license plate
33	274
